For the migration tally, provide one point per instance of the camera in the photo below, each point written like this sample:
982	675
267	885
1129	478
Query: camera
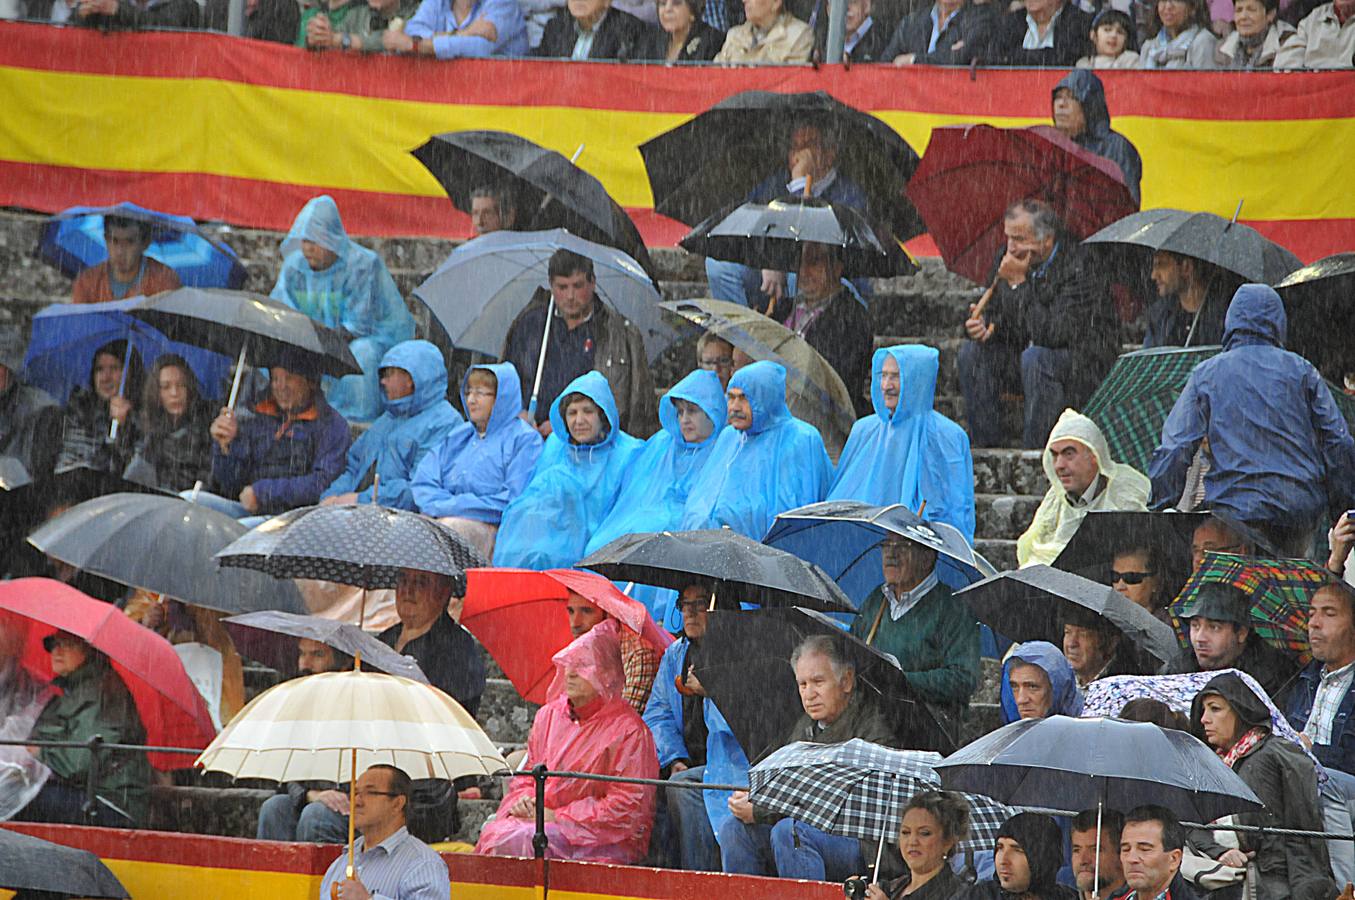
855	888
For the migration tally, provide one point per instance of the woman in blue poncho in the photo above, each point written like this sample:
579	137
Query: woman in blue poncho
576	481
343	285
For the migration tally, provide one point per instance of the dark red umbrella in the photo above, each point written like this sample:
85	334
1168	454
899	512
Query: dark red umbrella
170	707
970	174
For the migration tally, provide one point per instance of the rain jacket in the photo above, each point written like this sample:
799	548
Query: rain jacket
595	821
779	463
393	445
86	422
725	759
30	427
572	490
1284	780
175	455
1067	697
1040	838
912	454
1097	136
1057	520
475	476
1281	453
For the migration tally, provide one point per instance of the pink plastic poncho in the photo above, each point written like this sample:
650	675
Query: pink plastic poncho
595	821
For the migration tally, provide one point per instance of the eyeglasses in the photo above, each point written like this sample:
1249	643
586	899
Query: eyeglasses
480	392
720	362
1130	577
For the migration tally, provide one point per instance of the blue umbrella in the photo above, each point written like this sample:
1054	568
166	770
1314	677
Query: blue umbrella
73	240
843	537
66	335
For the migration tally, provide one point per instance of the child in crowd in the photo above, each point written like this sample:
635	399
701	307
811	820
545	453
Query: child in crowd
1113	40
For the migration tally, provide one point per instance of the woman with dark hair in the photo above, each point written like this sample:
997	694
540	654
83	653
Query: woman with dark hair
1181	38
933	825
683	36
86	426
1138	573
175	450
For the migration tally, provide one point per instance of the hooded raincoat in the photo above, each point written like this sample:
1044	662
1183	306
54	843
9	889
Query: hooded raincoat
778	463
1281	453
1040	838
1057	519
1067	697
475	476
409	428
572	490
1097	136
356	294
913	454
595	821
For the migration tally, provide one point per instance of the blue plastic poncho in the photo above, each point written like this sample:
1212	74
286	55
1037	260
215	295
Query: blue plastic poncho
572	490
912	454
475	476
779	463
356	293
1066	697
410	427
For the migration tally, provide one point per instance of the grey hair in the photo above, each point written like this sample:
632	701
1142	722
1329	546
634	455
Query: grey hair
1042	216
502	197
824	645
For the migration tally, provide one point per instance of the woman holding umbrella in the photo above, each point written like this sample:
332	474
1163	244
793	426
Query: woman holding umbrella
87	437
933	825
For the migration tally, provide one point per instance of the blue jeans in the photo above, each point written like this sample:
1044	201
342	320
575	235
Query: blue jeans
233	508
697	850
789	849
1337	798
315	824
986	370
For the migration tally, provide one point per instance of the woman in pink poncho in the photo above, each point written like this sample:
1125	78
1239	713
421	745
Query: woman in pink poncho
586	726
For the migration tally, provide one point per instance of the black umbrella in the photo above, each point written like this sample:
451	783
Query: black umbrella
772	236
365	546
744	665
32	864
1213	239
1034	603
743	570
348	639
164	545
1317	301
718	157
549	190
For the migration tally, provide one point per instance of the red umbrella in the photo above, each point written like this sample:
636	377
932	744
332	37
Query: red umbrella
970	174
519	617
170	707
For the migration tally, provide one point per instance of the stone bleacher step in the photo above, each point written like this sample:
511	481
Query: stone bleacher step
1003	515
504	715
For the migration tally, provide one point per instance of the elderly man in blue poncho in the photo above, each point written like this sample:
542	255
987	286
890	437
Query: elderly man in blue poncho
1038	682
765	461
908	453
576	481
340	284
471	477
417	418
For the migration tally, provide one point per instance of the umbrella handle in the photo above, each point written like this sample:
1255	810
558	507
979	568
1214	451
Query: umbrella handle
983	301
122	384
541	358
349	872
239	373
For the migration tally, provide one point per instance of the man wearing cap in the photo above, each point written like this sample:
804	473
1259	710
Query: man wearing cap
1221	637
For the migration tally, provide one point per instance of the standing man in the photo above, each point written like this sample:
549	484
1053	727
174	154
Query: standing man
128	271
1098	850
1151	845
1192	302
1080	113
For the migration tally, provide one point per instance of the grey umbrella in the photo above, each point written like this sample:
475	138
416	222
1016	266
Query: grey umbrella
345	638
1231	246
32	864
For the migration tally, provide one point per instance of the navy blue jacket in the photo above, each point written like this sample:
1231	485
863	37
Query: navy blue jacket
1340	753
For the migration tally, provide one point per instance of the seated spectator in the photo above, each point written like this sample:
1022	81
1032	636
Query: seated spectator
947	33
591	29
1256	38
538	14
1137	574
184	623
340	284
1082	477
93	701
1038	682
468	479
1096	649
933	824
30	420
448	655
87	438
492	208
715	354
575	483
175	448
351	24
128	271
285	454
450	29
1282	456
1236	723
864	36
1096	854
765	460
907	452
1113	42
769	34
1049	329
1027	857
417	418
683	36
1325	39
1151	845
585	726
756	842
1214	536
639	661
1192	302
1046	33
135	14
1080	113
933	636
1221	637
1181	36
265	20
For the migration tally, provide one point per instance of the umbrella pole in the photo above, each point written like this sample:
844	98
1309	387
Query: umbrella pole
879	854
239	373
122	384
349	872
541	357
1096	872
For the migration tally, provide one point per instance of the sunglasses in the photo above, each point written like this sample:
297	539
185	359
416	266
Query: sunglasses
1130	577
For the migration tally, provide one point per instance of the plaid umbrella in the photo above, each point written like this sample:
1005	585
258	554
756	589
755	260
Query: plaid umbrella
858	789
1279	590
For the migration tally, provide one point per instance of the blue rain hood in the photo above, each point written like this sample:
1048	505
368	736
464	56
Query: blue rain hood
1066	696
423	362
779	463
1255	316
572	490
912	454
507	397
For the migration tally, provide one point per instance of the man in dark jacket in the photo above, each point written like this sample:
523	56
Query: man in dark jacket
591	29
125	14
1221	637
1151	845
1282	456
941	34
1026	861
448	655
1048	321
1080	112
30	420
1192	302
1046	33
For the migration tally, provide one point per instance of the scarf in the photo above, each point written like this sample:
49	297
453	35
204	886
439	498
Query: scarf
1160	51
1243	746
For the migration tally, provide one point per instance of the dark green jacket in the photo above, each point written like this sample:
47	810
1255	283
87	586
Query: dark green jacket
936	643
358	19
